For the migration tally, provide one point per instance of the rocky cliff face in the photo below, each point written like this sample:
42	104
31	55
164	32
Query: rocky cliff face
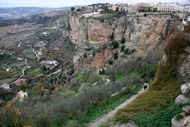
145	34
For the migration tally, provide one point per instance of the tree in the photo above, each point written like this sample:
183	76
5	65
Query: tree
122	40
115	44
72	8
117	9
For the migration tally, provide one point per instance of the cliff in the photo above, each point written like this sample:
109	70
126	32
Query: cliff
142	33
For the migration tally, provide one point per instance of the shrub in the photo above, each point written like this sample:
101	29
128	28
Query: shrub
145	14
162	118
115	44
126	51
102	71
122	40
115	55
187	28
11	117
110	62
72	123
122	48
85	55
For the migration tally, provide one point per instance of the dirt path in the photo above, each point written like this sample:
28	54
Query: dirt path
103	119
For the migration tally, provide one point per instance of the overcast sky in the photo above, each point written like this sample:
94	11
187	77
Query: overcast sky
62	3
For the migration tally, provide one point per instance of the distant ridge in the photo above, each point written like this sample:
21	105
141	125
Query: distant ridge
7	13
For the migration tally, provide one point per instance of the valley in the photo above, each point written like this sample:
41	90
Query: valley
70	68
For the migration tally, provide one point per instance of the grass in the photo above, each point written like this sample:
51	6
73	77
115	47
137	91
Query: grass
8	80
161	118
30	54
104	18
4	74
98	110
34	72
166	85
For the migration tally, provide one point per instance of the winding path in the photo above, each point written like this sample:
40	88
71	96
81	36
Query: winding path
36	54
23	70
103	119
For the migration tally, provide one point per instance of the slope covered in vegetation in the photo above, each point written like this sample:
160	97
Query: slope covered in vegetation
165	87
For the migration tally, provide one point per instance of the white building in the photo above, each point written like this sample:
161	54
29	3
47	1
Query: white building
165	8
5	86
178	8
90	14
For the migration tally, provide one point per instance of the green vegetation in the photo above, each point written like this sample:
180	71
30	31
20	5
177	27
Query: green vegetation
96	111
7	80
161	118
106	18
166	85
122	40
30	54
49	35
34	72
72	8
115	44
129	51
83	100
122	48
4	75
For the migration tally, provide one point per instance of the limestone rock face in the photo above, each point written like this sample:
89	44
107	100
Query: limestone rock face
176	123
184	70
20	96
144	34
186	110
185	89
89	30
181	99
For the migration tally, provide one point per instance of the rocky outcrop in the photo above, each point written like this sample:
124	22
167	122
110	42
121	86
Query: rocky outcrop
184	70
183	119
84	30
144	34
185	96
20	96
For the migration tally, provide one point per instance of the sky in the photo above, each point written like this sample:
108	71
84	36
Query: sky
63	3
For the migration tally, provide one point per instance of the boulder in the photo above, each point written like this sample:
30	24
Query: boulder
186	122
185	89
176	123
182	99
186	109
20	96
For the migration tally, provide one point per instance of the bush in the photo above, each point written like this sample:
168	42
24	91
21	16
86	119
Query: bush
126	51
72	123
122	40
110	62
115	44
145	14
122	48
162	118
187	28
115	55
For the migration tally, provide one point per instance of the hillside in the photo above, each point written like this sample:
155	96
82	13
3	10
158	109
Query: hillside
19	12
